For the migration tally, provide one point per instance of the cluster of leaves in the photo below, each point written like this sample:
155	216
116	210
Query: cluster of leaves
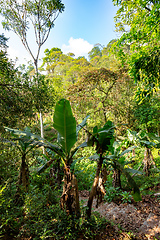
39	214
94	88
15	95
38	223
91	92
139	23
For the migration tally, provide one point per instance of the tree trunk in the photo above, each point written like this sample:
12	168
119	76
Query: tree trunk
94	187
70	196
59	178
101	192
40	113
133	152
116	178
158	131
147	161
24	174
42	129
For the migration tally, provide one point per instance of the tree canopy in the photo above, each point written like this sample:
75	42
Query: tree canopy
138	21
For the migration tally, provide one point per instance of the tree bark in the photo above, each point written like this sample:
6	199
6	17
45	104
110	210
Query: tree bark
158	131
133	152
94	187
24	174
147	161
116	178
70	196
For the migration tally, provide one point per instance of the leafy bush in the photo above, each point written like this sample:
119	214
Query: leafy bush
85	173
11	213
126	197
38	215
112	194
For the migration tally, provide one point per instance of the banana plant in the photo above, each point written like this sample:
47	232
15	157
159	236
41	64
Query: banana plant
103	139
24	141
65	124
118	162
148	141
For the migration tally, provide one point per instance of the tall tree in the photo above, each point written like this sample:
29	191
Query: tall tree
15	94
138	21
91	92
95	51
3	43
41	14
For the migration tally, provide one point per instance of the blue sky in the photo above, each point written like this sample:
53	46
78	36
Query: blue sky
82	24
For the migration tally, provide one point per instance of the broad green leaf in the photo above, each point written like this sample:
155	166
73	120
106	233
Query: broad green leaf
112	157
127	150
81	125
65	124
132	183
148	143
75	161
52	147
46	165
136	196
105	136
94	157
83	145
131	170
27	133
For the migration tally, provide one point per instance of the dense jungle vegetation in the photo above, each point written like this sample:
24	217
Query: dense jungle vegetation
74	124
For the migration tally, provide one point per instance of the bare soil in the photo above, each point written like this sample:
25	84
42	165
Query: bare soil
135	220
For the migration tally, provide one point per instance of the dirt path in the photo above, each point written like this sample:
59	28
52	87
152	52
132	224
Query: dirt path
140	218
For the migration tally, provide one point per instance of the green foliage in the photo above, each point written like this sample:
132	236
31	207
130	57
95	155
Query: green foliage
126	197
96	51
65	124
15	95
139	22
11	214
26	140
117	195
3	42
144	112
40	217
112	194
103	137
85	172
36	214
9	161
101	88
118	162
143	139
18	15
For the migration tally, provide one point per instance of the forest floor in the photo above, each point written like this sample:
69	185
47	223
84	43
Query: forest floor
135	220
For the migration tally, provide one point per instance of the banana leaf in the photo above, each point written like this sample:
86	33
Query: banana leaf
136	192
94	157
46	165
52	147
81	125
65	124
26	133
127	150
83	145
131	170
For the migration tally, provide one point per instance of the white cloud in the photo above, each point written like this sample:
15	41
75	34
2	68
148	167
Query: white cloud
79	47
